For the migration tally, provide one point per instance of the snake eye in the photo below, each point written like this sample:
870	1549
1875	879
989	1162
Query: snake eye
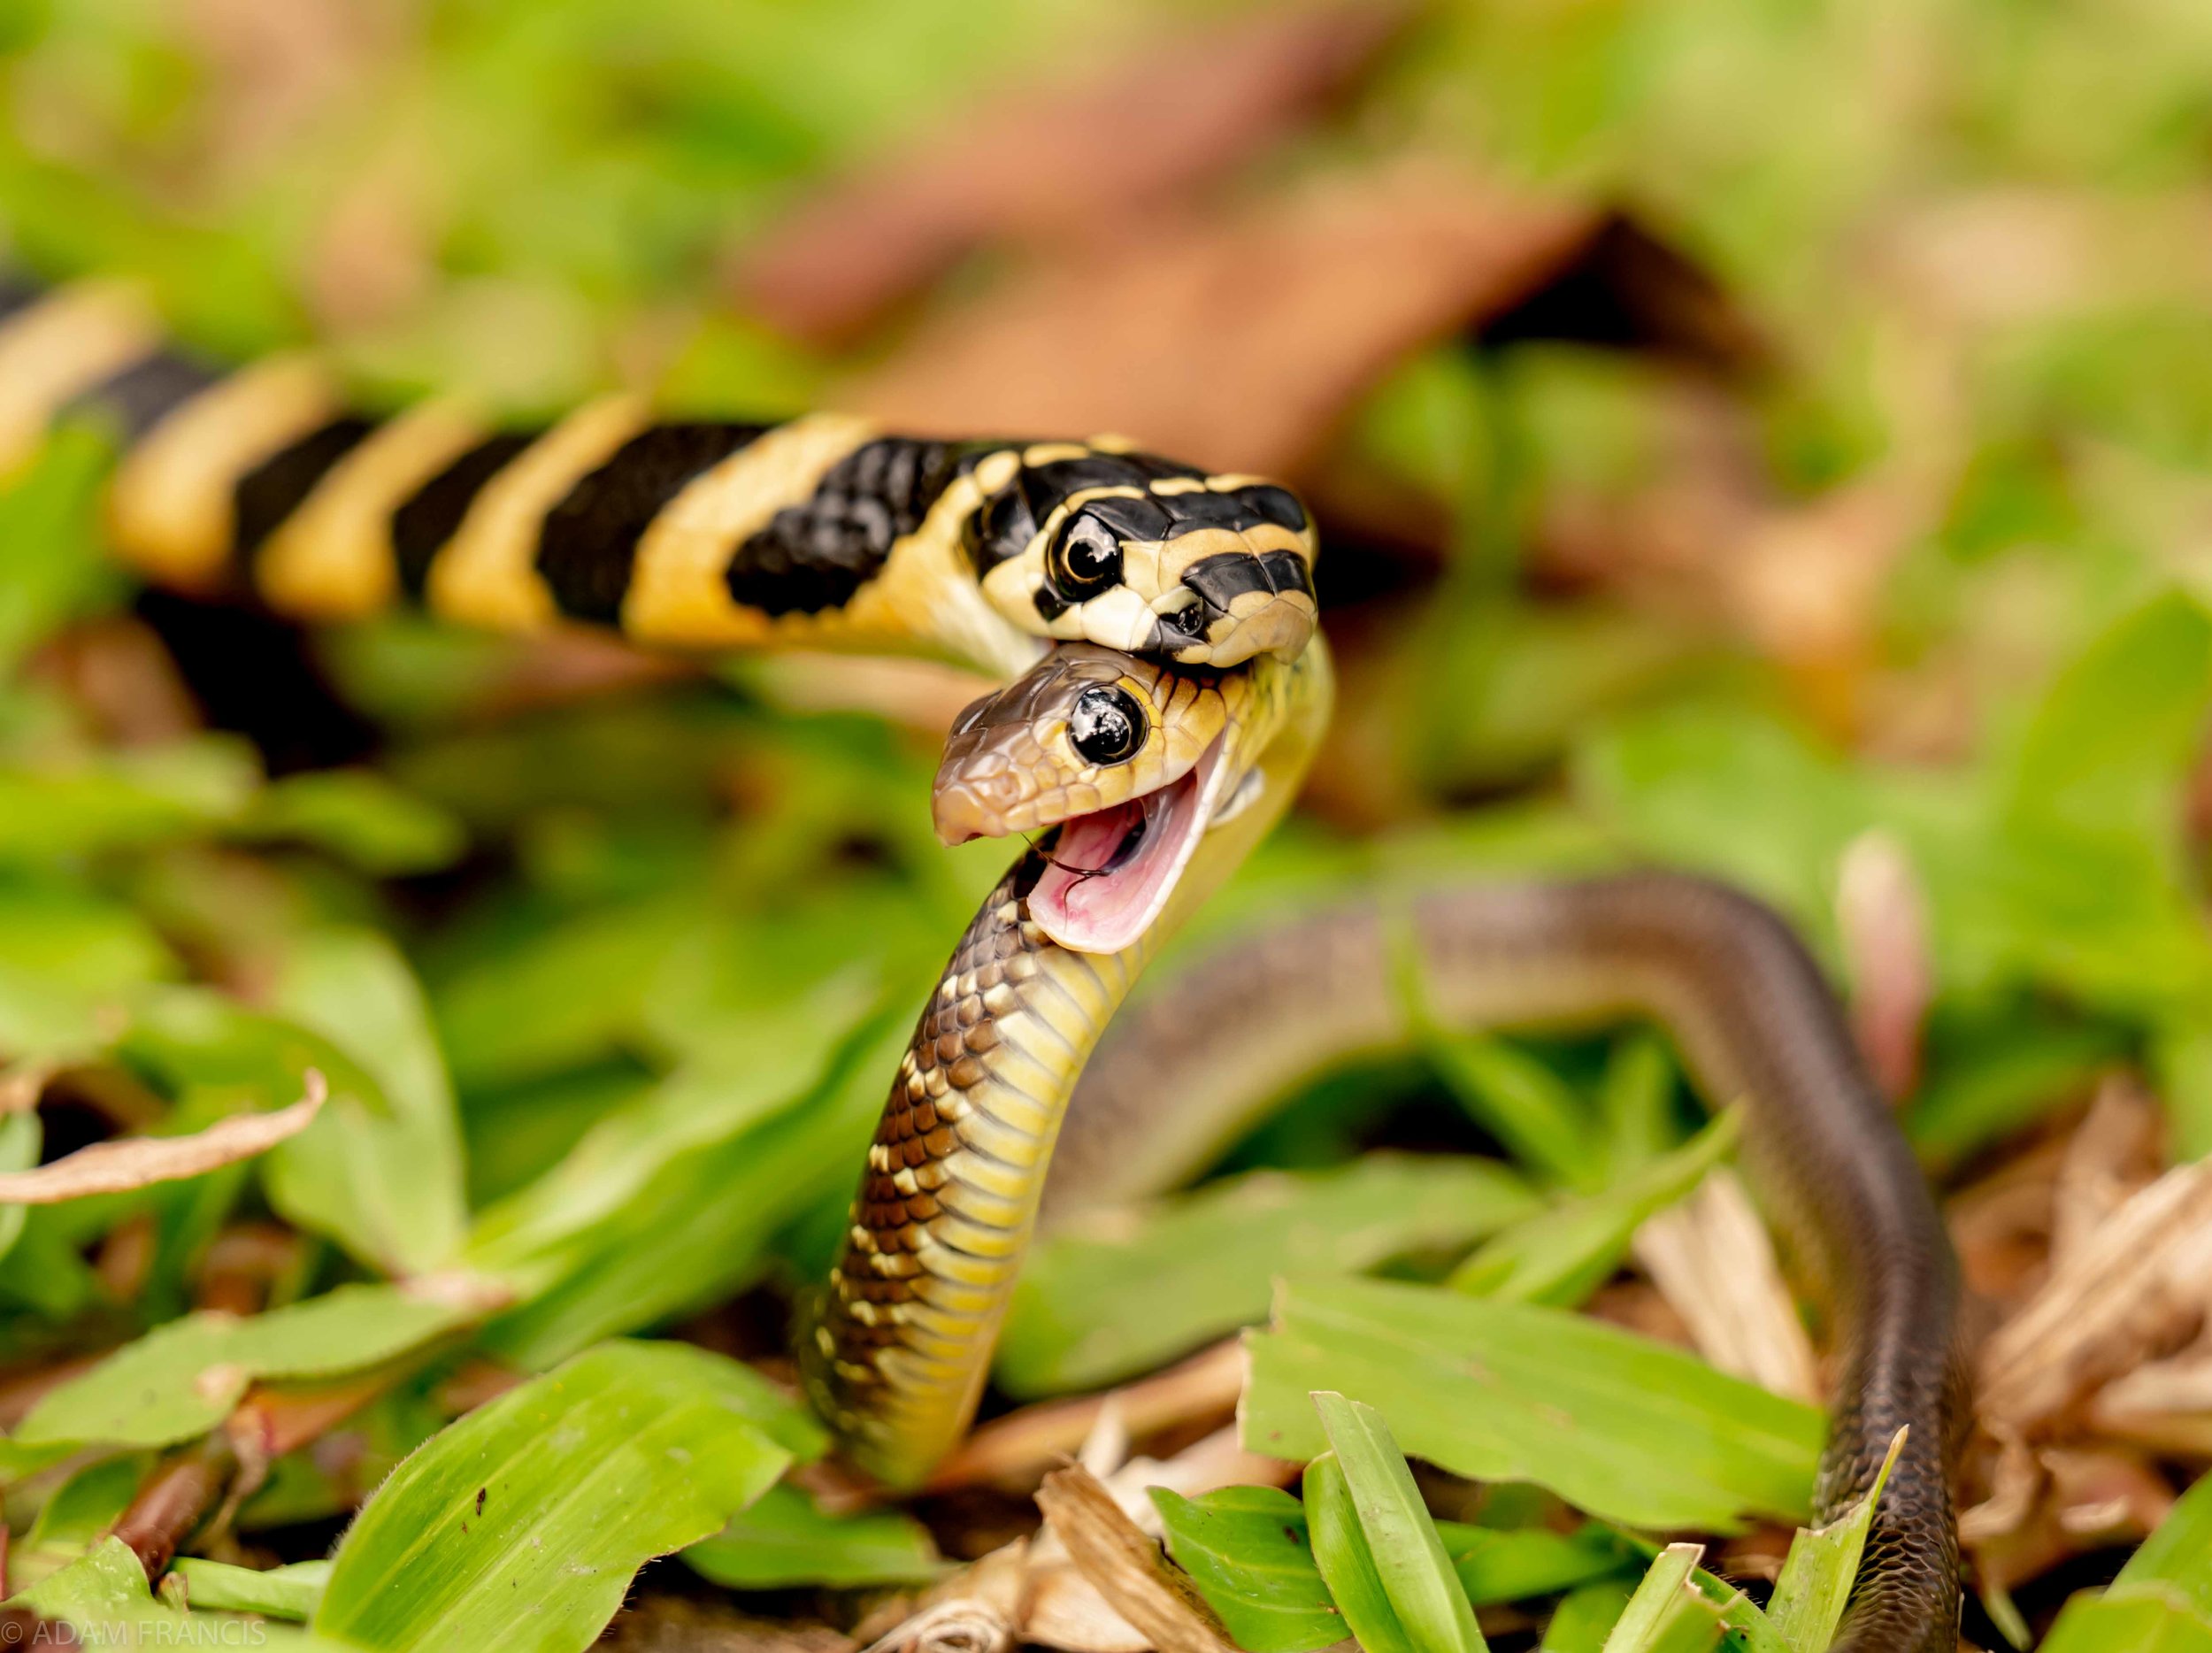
1107	726
1086	558
1189	621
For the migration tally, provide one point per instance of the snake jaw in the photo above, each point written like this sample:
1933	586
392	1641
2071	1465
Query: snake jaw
1112	871
1187	750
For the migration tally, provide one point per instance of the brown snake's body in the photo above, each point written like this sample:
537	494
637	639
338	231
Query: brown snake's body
1183	1071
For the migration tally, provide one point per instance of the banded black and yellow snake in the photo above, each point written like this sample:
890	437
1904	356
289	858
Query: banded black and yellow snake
1159	741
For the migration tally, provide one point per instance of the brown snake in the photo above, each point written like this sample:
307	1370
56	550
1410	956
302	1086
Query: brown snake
980	1111
1754	1020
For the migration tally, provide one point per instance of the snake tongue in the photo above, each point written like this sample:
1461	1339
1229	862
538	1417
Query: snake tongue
1113	871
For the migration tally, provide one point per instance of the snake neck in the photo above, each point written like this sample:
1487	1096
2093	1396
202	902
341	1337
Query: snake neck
894	1350
900	1344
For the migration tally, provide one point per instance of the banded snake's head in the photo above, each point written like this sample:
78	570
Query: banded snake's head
1137	767
1090	542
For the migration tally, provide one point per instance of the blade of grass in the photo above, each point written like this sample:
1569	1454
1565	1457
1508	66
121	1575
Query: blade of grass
786	1539
1348	1564
1561	1256
288	1593
1585	1617
1417	1574
2161	1601
1628	1429
1088	1310
1818	1575
1520	1102
1667	1614
181	1379
1634	1103
520	1526
1249	1552
1498	1565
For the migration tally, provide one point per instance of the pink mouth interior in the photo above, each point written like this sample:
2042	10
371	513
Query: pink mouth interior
1103	891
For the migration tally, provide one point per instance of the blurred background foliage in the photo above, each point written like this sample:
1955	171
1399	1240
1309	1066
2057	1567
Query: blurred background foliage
1904	627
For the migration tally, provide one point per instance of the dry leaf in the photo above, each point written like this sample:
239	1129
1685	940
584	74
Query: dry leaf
1128	1566
1712	1259
1038	1592
1238	341
976	1611
1013	1448
2000	1226
2106	1496
2109	1158
116	1167
1059	162
2076	1501
2138	1286
118	671
1066	1608
2166	1404
2015	1482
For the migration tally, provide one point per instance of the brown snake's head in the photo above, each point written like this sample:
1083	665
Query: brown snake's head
1135	761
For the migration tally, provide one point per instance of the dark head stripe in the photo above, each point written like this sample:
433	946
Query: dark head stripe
587	546
135	400
1220	581
813	556
273	490
1278	505
1235	510
428	518
1049	485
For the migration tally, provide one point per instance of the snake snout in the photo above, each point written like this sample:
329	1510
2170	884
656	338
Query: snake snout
1246	603
977	806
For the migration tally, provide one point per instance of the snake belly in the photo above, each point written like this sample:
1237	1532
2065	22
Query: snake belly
895	1357
1185	1070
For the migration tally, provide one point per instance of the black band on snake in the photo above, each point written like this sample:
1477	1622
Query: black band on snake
1155	746
822	532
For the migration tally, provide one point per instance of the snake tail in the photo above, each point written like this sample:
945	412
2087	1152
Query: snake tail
1754	1021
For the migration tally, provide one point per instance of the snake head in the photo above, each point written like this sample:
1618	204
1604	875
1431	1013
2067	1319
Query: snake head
1091	542
1131	761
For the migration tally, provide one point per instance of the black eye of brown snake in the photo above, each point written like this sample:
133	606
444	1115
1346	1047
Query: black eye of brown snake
1086	558
1107	726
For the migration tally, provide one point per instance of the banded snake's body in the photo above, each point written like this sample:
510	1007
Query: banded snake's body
1157	743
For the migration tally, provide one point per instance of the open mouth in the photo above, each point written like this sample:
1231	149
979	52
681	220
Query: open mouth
1113	871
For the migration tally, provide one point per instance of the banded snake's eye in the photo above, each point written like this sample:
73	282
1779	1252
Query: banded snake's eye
1107	726
1085	558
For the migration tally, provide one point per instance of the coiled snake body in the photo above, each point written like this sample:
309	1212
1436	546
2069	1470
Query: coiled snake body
1157	743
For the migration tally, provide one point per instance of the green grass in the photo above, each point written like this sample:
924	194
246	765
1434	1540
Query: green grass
607	993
